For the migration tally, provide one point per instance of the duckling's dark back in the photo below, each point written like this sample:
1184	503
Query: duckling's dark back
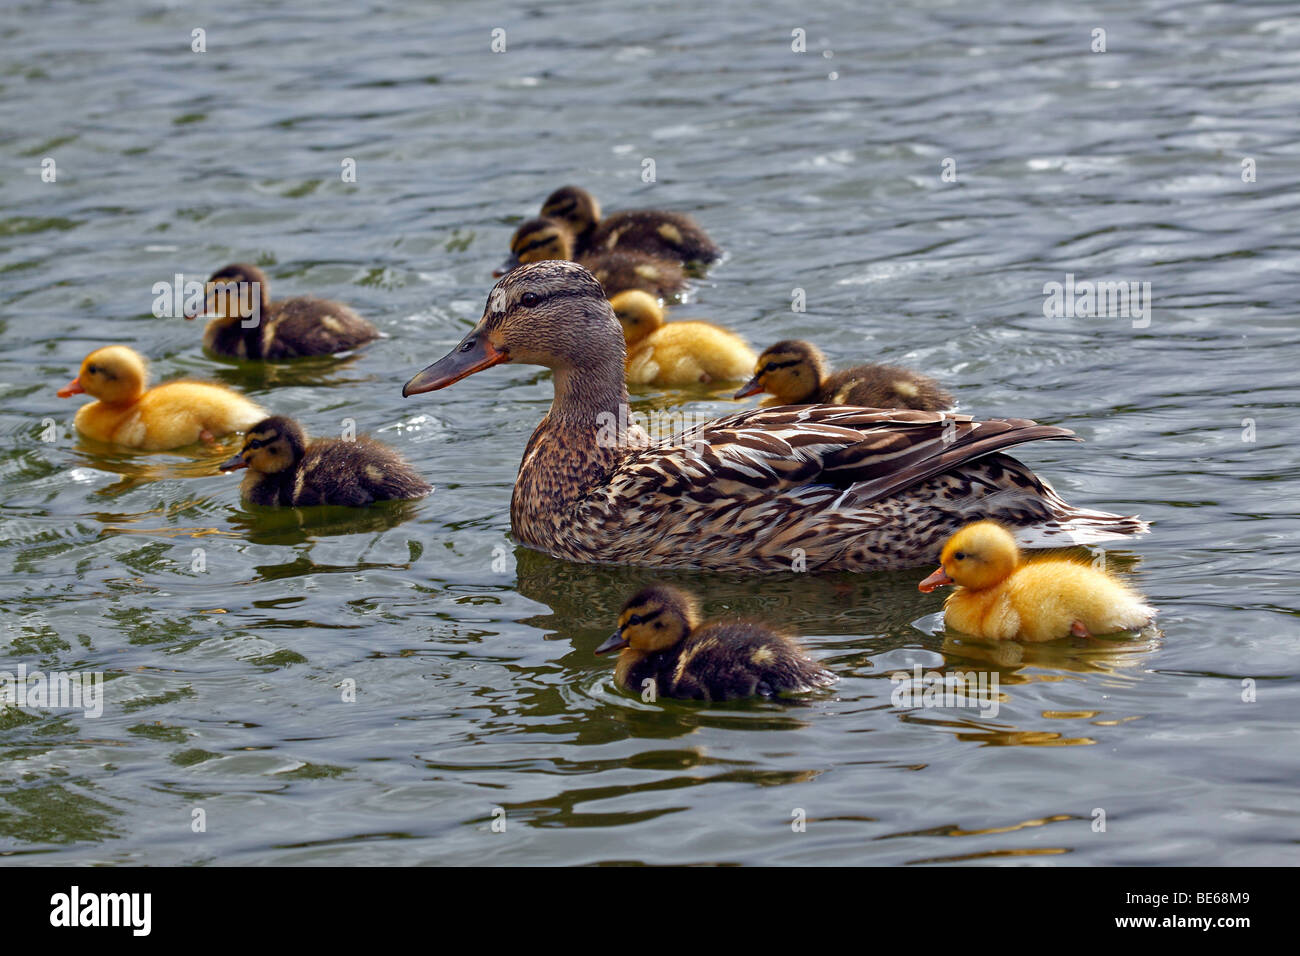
728	660
306	325
885	386
665	235
338	472
620	271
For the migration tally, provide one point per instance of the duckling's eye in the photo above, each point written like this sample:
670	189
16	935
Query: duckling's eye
960	555
769	367
530	299
634	620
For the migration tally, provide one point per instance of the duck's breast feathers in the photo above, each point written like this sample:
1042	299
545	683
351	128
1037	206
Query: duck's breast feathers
872	452
310	326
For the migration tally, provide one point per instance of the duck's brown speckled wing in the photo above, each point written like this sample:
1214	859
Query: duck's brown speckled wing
822	487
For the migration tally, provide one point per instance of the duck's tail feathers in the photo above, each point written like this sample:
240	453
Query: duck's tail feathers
1072	525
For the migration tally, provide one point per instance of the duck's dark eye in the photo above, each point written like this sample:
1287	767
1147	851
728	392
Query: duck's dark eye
960	555
634	620
467	345
529	299
769	367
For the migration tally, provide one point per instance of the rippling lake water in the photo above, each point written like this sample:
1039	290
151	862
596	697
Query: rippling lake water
228	639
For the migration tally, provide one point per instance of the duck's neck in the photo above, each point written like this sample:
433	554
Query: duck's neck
576	446
583	396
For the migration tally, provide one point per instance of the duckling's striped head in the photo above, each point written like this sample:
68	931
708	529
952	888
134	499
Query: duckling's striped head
537	240
573	206
236	291
654	619
273	445
978	556
792	370
638	312
115	375
552	314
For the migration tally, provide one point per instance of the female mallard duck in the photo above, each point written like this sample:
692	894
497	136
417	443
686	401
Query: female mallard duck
1000	598
660	639
679	353
664	235
538	240
283	469
796	373
166	416
245	323
815	487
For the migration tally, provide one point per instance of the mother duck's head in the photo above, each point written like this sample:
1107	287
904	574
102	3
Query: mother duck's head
552	314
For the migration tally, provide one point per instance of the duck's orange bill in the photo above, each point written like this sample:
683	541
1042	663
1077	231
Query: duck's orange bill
72	388
936	580
614	642
475	353
753	388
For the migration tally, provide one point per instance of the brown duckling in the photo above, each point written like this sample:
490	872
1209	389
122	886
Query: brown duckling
665	235
796	373
283	469
660	639
245	323
618	271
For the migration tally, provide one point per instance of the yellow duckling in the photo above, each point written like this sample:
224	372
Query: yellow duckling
167	416
796	373
1000	598
284	469
678	353
661	640
539	240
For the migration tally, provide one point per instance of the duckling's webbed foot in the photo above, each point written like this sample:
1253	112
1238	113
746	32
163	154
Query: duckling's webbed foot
1078	629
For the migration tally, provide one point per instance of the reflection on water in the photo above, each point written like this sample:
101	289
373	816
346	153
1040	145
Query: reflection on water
283	526
325	371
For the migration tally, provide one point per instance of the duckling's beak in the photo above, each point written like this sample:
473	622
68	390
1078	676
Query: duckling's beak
614	642
72	388
936	580
475	353
234	464
753	388
506	266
